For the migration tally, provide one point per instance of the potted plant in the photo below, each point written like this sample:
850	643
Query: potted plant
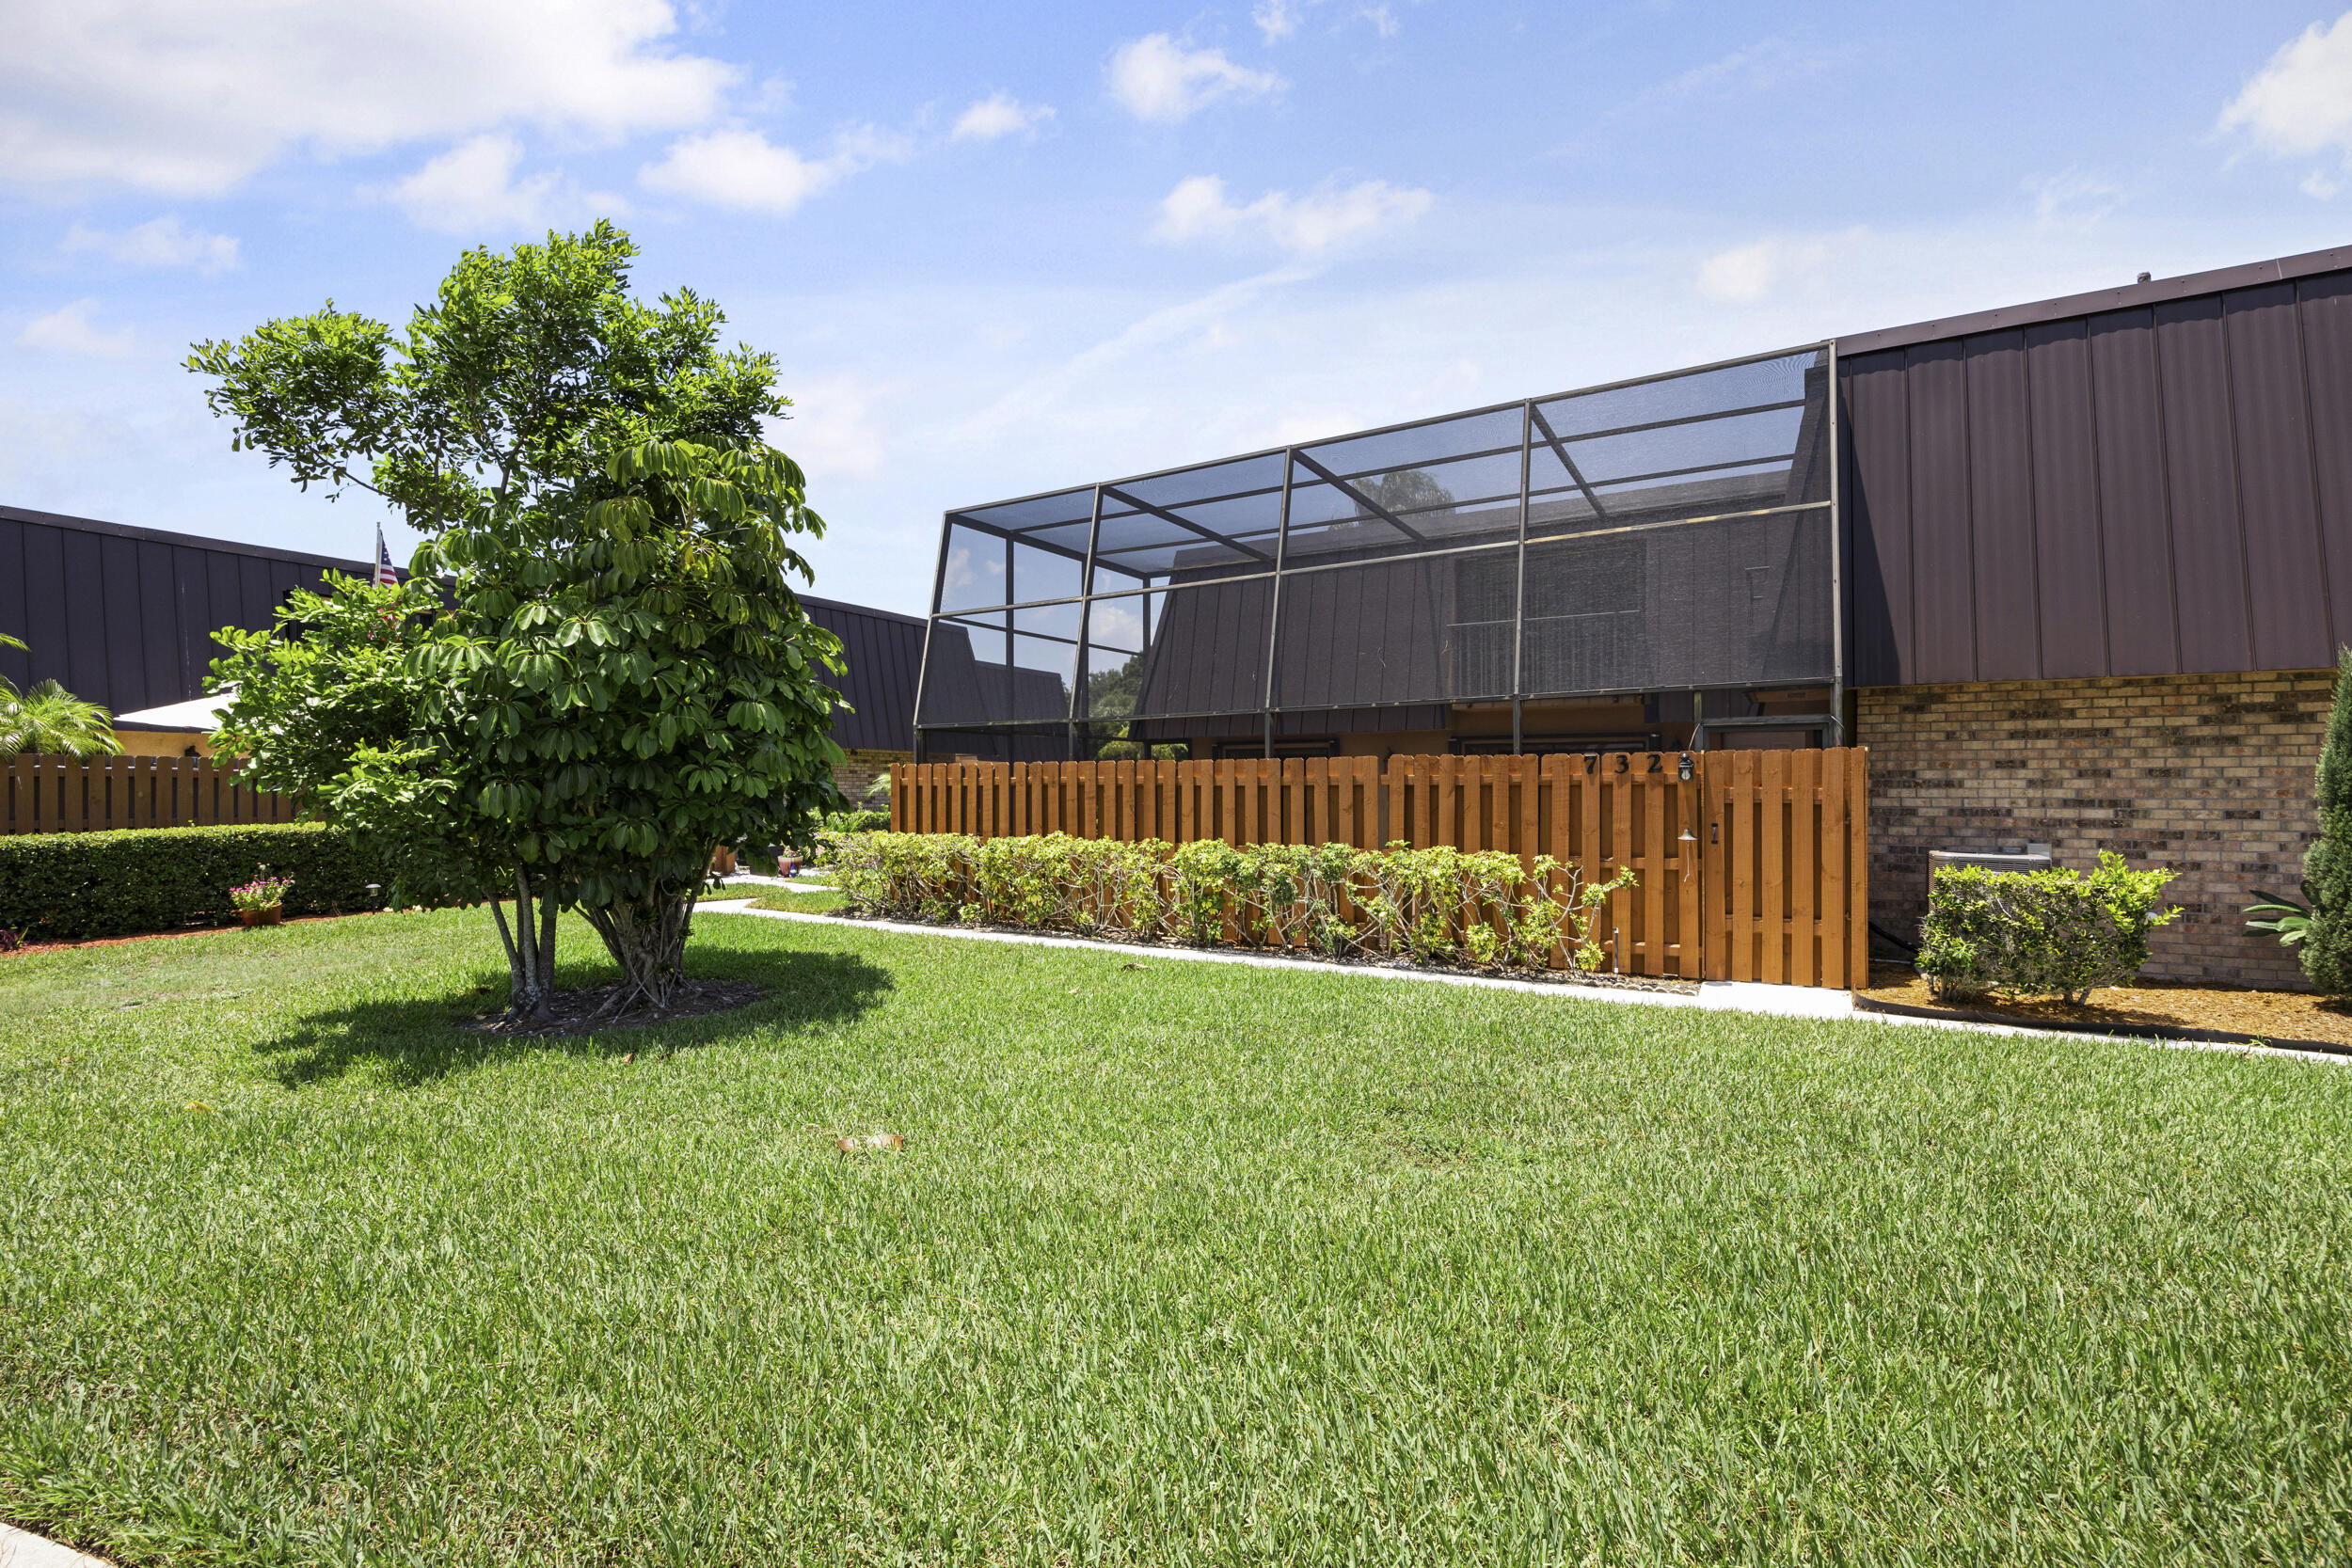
262	901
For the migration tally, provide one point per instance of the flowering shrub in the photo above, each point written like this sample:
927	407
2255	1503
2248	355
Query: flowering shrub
2039	932
1425	906
263	893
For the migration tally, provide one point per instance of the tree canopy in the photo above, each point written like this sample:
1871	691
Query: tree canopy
599	671
527	368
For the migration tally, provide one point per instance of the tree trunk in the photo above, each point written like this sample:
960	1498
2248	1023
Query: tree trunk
529	949
646	937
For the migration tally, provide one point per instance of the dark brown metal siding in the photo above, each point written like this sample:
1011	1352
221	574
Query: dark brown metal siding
2200	485
1876	507
2272	431
15	666
2141	626
2000	503
1942	573
44	605
2071	604
2325	306
2158	490
881	653
124	617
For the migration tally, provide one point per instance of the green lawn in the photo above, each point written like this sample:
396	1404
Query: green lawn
1183	1262
807	900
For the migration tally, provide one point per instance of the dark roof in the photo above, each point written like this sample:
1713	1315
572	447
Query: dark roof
2128	296
2148	481
123	616
883	651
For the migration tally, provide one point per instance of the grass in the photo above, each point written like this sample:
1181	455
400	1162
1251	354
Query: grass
1183	1262
809	900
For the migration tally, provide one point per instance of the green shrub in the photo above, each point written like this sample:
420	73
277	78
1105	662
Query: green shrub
2039	932
1428	906
67	886
2326	946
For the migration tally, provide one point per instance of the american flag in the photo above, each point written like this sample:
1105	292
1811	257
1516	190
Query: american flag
385	576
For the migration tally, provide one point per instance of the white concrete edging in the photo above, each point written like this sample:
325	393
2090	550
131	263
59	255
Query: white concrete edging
22	1549
1741	996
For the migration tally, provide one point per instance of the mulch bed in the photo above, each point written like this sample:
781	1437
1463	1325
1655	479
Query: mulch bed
576	1012
1538	976
165	936
2168	1009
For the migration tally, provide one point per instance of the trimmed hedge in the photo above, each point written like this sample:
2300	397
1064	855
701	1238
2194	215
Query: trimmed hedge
62	887
1435	905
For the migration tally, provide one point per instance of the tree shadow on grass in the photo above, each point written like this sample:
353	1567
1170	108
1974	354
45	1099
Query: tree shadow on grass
416	1040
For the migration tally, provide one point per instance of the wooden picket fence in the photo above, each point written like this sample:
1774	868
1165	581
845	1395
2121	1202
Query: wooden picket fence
1755	868
62	795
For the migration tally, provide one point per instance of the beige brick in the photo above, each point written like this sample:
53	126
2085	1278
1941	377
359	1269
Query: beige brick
2151	767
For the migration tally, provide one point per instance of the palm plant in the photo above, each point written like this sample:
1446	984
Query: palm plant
49	721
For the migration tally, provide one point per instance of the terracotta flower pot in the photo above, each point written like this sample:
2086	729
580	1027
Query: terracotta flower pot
270	916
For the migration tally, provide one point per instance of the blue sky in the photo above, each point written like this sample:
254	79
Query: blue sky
1004	250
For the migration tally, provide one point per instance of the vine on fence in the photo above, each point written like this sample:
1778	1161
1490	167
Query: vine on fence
1438	905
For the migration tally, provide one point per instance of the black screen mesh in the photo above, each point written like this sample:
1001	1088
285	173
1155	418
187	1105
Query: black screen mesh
1672	533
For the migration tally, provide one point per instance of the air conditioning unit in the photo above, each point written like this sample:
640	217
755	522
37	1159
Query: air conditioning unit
2036	858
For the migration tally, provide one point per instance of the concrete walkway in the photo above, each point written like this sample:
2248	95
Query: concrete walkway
1741	996
19	1549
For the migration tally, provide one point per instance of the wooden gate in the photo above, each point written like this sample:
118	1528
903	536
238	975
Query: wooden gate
1754	868
65	795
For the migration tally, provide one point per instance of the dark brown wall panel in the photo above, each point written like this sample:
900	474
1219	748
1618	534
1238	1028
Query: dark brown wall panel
881	653
2138	546
15	665
125	643
1942	562
2200	488
1875	501
45	624
2000	509
253	591
2286	580
85	618
225	597
195	585
2071	594
2326	307
159	624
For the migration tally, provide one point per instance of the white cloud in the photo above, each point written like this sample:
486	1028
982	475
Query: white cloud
999	116
1277	19
2299	105
1197	208
744	169
1770	63
833	431
1157	79
472	189
1747	274
192	96
68	329
2073	196
158	243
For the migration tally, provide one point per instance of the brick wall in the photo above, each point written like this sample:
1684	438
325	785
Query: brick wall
2210	775
858	770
